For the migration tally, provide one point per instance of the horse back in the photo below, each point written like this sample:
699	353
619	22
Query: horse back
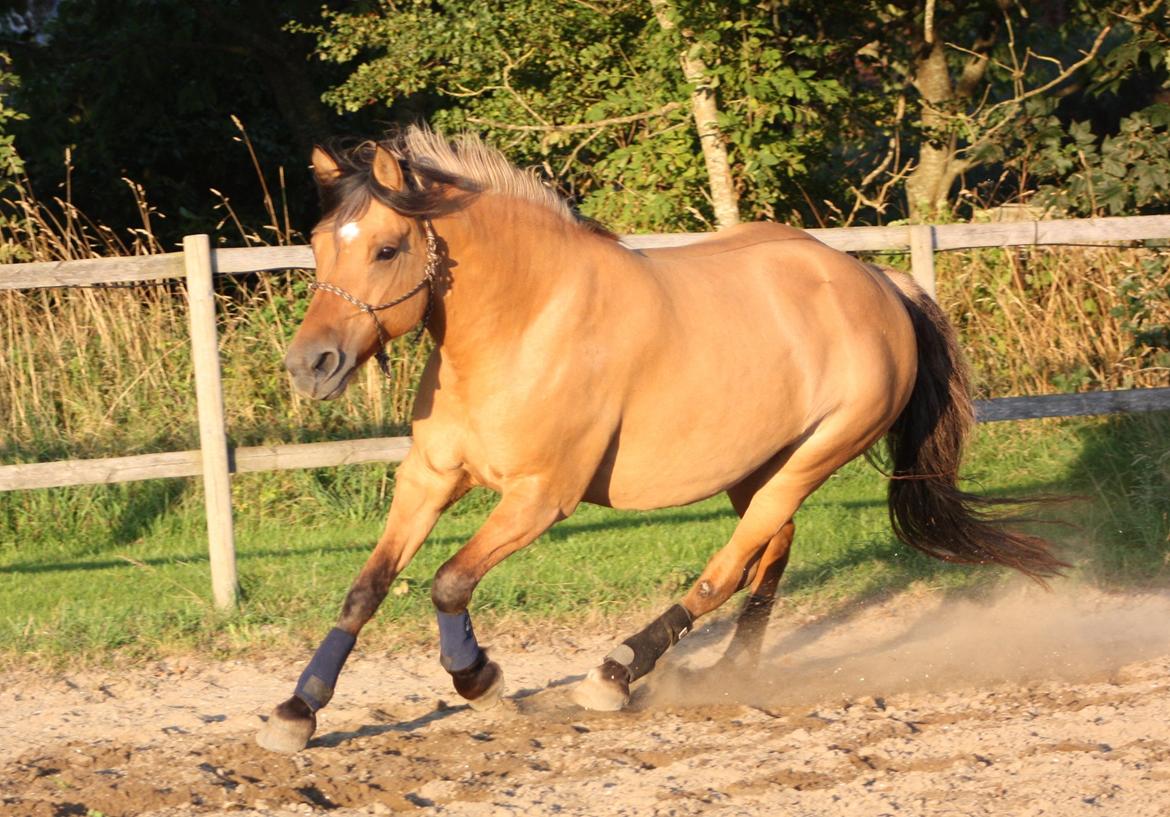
734	239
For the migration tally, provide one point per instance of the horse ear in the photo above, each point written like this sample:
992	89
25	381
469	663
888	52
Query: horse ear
325	168
387	170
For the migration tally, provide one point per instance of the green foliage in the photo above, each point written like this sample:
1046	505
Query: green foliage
1123	173
10	162
1145	310
546	80
820	109
816	107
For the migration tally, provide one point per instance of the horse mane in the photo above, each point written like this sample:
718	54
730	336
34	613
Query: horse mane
434	166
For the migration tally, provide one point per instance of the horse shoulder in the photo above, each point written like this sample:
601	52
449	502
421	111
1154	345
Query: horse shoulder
439	421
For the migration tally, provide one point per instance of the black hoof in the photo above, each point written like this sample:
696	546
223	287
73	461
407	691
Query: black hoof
288	728
481	684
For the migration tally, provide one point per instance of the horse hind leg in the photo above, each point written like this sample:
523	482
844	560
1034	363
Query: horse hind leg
761	581
755	556
766	521
607	688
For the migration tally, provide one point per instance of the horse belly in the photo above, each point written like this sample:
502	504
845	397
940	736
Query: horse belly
669	460
680	477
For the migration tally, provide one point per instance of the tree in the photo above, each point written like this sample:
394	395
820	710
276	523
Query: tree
973	75
145	90
724	199
593	93
775	109
960	118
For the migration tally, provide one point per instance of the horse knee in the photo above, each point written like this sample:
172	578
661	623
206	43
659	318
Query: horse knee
451	589
361	602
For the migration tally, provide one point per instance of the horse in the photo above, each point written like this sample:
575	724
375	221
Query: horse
568	368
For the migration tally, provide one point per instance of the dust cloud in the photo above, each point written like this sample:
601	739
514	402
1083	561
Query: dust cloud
911	644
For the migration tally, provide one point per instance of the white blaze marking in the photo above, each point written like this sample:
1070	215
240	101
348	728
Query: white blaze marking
349	231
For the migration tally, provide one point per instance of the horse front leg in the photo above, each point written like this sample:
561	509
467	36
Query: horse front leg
517	520
420	496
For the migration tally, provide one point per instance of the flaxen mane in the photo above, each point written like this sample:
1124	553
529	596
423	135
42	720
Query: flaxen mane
468	157
434	166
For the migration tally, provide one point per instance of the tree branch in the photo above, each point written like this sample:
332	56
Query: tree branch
579	126
1088	57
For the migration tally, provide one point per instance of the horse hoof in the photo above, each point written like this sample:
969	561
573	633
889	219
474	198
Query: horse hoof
604	689
288	728
490	696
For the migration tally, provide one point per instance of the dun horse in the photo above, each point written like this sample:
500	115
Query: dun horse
568	368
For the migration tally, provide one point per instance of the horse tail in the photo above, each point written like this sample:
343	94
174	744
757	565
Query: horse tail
928	510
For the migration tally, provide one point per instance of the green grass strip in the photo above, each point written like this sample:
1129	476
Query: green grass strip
119	573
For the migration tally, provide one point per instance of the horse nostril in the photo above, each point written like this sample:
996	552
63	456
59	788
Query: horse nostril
326	363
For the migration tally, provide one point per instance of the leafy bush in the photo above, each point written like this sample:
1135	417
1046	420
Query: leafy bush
1118	174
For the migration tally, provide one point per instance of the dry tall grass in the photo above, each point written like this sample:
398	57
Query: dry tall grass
90	372
1060	319
107	370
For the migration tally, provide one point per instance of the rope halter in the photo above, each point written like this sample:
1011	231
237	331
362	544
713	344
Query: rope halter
427	282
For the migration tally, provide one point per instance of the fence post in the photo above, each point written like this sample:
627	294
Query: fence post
217	484
922	256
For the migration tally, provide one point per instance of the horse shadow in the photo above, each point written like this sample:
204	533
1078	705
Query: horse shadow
336	738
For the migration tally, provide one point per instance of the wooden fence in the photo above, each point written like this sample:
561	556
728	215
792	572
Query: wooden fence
215	460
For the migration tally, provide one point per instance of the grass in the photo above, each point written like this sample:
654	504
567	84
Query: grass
1042	320
119	572
76	592
91	372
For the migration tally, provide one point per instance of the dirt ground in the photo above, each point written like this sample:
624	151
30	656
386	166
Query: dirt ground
1035	704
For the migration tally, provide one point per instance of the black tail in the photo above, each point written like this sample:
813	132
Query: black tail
927	509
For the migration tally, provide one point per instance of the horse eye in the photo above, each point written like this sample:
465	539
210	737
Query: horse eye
386	253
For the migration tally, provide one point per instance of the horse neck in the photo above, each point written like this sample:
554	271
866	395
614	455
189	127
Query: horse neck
507	259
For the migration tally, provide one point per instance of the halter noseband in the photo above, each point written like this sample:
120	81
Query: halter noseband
427	282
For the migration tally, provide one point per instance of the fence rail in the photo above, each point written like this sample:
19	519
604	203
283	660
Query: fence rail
215	460
244	460
253	459
1112	230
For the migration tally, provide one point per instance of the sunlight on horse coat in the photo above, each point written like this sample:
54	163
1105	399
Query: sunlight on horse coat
568	368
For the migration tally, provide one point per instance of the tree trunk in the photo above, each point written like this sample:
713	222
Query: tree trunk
928	188
706	113
929	184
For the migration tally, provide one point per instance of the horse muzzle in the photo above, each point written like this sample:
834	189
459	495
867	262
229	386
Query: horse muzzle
320	371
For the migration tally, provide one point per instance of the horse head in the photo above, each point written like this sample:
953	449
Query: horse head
375	268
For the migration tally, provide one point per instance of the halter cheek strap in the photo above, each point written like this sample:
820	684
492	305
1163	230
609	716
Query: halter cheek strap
427	282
